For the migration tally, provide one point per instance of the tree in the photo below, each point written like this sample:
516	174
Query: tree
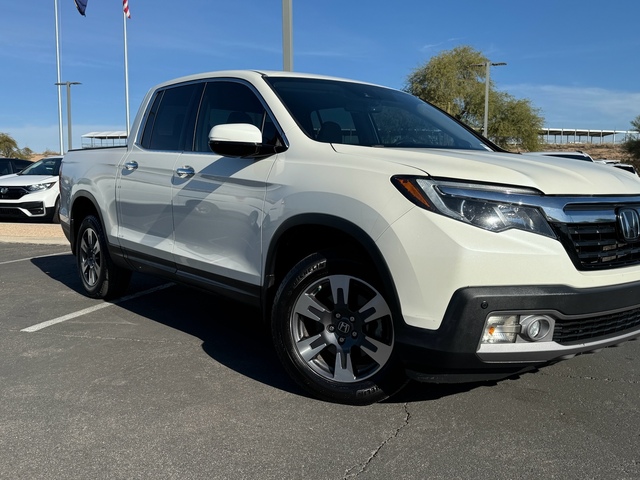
454	82
514	122
632	144
9	148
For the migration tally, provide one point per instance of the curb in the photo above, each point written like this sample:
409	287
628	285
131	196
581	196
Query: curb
50	234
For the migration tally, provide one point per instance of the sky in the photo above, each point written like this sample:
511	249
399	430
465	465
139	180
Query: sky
574	60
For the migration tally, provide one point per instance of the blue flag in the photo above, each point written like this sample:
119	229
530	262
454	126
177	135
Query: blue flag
81	5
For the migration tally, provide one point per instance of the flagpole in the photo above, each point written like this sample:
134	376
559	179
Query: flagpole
59	83
287	36
126	71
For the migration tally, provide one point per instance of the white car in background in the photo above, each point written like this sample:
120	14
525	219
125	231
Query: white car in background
578	155
618	164
33	193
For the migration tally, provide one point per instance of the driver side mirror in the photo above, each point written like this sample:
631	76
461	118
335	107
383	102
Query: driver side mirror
241	140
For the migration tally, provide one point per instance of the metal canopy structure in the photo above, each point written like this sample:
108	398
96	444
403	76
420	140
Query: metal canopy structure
576	135
550	135
104	139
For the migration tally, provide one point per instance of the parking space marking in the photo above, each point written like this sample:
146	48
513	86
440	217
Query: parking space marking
79	313
33	258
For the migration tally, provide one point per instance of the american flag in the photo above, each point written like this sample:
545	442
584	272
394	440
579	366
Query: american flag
125	7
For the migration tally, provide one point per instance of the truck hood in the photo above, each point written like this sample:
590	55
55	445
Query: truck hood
550	175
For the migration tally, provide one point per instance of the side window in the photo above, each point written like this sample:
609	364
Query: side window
171	120
231	102
151	117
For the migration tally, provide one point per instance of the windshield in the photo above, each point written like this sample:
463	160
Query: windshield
357	114
46	166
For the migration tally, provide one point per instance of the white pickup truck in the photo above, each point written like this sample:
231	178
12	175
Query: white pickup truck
381	239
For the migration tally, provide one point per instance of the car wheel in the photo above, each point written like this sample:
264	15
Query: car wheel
101	278
55	215
333	331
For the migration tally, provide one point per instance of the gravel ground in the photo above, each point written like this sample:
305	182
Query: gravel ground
32	233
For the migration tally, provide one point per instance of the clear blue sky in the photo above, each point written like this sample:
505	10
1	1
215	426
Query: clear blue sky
577	61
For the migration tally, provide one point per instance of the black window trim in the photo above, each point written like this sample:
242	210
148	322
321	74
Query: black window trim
205	81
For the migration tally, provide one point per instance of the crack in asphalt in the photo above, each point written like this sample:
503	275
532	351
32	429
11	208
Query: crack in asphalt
363	466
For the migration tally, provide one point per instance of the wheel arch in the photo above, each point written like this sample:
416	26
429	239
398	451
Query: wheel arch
305	234
82	205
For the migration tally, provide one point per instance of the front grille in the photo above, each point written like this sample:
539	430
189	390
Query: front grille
585	329
13	193
596	246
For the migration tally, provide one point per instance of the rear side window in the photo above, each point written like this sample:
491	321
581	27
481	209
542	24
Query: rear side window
5	167
171	120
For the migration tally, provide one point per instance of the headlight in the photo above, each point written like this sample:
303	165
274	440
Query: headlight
38	187
491	207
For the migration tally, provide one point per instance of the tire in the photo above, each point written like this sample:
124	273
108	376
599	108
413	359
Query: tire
333	331
100	277
55	214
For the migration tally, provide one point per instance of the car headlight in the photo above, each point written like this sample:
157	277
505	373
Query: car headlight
491	207
38	187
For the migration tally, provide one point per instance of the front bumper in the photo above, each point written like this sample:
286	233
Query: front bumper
31	209
587	320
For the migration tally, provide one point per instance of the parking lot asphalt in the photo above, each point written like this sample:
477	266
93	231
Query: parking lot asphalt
171	383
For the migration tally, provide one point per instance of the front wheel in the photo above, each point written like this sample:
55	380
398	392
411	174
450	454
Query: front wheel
333	331
54	216
101	278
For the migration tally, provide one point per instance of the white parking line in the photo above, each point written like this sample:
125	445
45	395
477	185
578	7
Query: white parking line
80	313
33	258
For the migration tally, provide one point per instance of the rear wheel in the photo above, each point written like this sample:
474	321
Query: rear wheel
333	331
101	278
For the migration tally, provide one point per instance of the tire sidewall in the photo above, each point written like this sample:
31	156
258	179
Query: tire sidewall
376	388
99	289
55	217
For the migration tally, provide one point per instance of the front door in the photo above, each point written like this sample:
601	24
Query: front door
218	208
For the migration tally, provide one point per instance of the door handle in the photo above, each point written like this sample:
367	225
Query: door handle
186	171
131	166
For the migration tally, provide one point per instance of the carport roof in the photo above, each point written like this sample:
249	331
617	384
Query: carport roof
105	135
583	132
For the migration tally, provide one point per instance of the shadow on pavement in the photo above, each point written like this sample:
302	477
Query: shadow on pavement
232	333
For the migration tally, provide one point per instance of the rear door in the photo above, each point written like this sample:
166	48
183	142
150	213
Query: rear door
145	179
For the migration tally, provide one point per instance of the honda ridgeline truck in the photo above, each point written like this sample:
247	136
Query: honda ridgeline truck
381	239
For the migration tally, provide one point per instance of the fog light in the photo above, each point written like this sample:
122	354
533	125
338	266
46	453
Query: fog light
536	327
501	329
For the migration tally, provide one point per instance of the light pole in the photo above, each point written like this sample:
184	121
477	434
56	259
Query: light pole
287	36
68	84
488	65
55	8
